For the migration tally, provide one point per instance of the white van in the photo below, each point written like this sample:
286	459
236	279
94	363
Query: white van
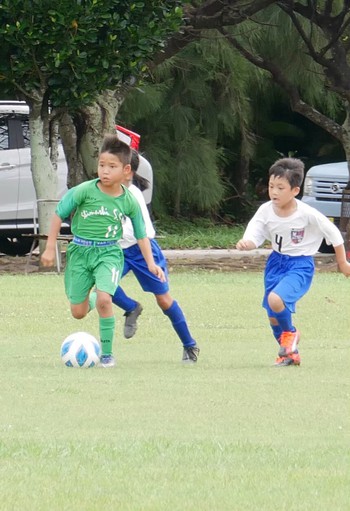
17	193
323	187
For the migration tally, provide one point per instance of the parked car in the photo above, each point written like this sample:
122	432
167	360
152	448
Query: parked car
17	194
323	189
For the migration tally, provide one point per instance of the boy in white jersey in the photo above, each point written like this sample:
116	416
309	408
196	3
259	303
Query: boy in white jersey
94	257
295	231
133	261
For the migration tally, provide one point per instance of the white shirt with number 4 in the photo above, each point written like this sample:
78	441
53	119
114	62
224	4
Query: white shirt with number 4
301	233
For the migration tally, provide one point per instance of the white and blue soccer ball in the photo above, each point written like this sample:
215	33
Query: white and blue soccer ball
80	349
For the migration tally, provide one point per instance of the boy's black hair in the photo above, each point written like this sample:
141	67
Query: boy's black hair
291	169
137	180
112	144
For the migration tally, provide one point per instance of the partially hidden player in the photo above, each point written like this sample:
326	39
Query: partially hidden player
94	257
295	231
133	261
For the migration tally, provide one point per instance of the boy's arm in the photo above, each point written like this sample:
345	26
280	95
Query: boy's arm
340	256
255	233
146	250
48	256
245	245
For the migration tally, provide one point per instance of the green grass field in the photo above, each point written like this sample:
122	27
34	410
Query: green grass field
232	433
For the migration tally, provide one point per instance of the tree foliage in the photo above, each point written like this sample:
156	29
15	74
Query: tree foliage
72	50
320	32
196	100
59	56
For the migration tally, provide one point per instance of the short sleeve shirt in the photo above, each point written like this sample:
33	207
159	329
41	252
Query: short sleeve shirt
99	216
298	234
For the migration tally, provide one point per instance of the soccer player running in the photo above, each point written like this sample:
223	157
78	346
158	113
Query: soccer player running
295	231
133	261
94	257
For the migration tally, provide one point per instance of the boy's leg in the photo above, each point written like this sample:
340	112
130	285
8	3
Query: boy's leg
80	310
276	329
178	321
286	281
78	280
107	326
290	336
135	262
179	324
151	284
108	265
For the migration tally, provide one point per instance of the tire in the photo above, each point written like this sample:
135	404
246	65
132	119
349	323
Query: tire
326	249
19	246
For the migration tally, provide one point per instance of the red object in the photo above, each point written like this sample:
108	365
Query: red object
130	137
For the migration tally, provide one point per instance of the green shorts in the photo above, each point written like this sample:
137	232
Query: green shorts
89	266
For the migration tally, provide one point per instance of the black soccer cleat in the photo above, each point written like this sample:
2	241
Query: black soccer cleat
190	355
130	324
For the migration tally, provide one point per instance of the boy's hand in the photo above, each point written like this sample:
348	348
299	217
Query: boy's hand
48	256
344	267
245	245
157	270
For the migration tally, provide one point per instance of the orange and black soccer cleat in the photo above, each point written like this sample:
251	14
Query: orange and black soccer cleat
291	360
289	343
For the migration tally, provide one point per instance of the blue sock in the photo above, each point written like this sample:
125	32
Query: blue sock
179	323
124	302
277	331
284	319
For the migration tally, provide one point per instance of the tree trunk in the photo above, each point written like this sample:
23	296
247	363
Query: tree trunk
68	133
82	135
43	168
345	206
244	164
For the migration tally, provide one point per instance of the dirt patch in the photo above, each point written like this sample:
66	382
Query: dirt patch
222	260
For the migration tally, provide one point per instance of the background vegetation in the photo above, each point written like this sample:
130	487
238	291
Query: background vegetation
196	233
218	90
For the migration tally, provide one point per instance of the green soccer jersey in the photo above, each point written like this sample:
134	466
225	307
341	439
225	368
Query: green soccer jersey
99	216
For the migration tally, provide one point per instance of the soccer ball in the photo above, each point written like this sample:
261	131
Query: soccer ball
80	350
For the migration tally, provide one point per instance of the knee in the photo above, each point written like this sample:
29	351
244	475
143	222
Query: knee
275	302
103	303
164	301
78	313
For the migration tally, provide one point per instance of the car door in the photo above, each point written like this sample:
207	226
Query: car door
9	171
26	191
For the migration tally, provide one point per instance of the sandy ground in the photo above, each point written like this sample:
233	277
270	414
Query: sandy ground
222	260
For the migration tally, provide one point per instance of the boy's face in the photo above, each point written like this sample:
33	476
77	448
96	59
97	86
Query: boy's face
280	191
111	170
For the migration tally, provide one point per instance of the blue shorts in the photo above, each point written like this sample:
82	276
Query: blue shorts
289	277
134	261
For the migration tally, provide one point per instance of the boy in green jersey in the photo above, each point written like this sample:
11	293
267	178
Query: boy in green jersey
94	257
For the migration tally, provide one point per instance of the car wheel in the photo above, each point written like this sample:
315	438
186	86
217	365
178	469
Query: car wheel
19	246
326	249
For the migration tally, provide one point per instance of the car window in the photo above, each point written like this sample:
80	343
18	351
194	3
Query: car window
4	133
14	131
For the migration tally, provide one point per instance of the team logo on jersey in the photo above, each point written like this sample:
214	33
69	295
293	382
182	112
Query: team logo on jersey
297	235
